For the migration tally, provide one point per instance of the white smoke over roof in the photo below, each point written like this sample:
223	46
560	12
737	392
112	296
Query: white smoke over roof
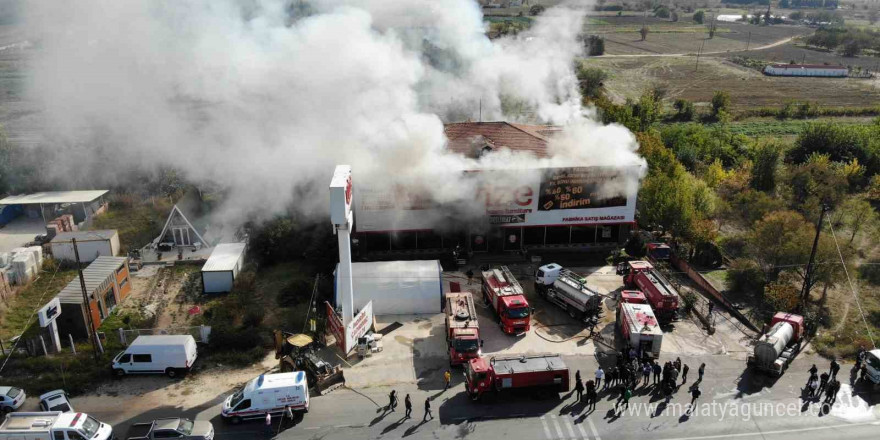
266	96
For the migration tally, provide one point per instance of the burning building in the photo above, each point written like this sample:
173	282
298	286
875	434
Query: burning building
523	209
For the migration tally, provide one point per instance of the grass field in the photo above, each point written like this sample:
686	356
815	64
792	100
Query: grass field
19	310
137	224
749	89
770	126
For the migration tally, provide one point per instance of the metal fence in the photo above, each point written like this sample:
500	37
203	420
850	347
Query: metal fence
201	333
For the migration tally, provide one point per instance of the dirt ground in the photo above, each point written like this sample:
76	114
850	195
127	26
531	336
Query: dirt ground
748	88
163	296
622	36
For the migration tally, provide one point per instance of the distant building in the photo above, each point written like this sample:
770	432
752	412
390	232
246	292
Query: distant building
820	70
82	205
90	244
222	267
179	231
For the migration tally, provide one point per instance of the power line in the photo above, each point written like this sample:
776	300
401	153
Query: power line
851	287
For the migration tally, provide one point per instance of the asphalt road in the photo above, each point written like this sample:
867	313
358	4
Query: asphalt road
728	408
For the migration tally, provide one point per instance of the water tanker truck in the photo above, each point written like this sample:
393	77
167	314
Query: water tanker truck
462	328
776	348
504	293
567	290
531	373
657	289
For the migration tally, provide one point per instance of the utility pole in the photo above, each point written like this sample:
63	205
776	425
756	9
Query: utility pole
748	41
82	284
805	291
697	67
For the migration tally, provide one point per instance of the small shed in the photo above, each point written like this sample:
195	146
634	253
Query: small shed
107	284
180	231
397	287
222	267
90	244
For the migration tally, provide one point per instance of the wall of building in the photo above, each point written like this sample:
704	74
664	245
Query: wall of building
88	250
123	282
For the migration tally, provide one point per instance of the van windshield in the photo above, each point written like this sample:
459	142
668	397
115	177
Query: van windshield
90	427
237	397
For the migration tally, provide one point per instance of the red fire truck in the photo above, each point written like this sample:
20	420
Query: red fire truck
657	289
535	373
505	294
462	328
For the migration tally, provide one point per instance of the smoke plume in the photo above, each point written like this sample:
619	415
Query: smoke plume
264	97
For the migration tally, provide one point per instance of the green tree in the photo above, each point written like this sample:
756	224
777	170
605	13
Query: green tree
814	183
699	16
857	215
674	16
591	80
781	296
765	166
684	110
841	143
720	103
536	10
662	12
781	239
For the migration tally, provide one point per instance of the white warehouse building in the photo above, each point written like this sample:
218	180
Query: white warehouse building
397	287
222	267
806	70
90	244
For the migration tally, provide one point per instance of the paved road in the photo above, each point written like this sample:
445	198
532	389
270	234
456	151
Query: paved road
728	409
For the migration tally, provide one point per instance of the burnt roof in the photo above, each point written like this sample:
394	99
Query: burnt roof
470	138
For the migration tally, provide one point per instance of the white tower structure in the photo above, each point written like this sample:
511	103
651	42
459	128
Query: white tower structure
343	222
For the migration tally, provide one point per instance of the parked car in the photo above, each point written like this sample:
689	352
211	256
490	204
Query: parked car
172	427
169	354
55	401
11	398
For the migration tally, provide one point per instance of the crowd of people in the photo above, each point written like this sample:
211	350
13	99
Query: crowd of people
630	372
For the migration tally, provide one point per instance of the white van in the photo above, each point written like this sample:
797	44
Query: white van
268	393
52	425
169	354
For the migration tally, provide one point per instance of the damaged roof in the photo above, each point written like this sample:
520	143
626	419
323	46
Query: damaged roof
471	138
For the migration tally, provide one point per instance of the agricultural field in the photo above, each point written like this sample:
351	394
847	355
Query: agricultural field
748	88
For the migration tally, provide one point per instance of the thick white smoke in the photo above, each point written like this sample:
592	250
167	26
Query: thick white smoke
266	96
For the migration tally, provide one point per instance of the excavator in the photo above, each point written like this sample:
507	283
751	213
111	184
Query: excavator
296	352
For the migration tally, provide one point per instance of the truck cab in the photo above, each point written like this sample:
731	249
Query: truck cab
546	275
479	377
630	268
54	425
462	328
503	292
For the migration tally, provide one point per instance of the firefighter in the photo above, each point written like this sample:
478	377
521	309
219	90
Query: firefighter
392	400
428	410
657	370
684	373
407	403
701	371
447	376
579	388
823	382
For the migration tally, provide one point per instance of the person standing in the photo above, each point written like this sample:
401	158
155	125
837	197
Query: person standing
428	410
577	375
392	400
470	275
667	391
612	377
695	394
269	423
657	370
288	414
835	367
677	364
579	389
447	376
701	371
684	373
599	375
823	382
591	399
627	394
407	403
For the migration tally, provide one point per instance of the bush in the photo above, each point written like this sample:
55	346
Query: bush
684	110
662	12
870	271
595	45
745	276
591	80
720	103
227	338
536	10
699	16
